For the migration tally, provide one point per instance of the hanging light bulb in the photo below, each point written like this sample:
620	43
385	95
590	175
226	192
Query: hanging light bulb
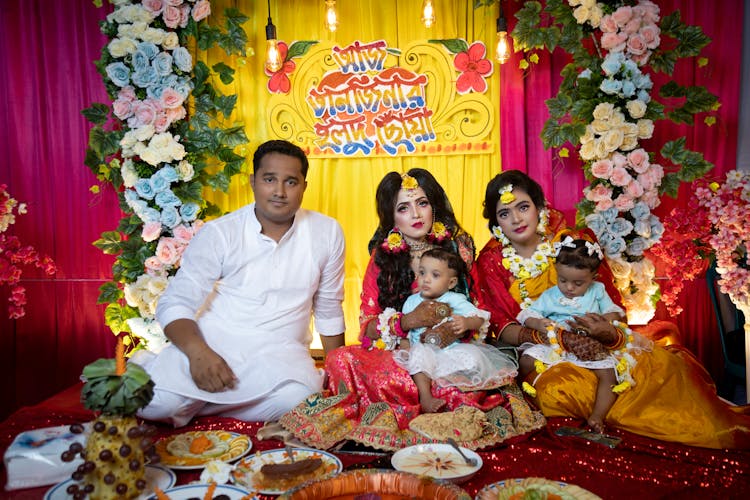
332	18
502	50
428	13
273	56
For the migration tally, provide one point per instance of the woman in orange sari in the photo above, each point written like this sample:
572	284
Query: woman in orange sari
370	398
673	397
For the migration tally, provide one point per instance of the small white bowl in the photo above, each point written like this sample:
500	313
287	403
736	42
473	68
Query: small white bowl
436	460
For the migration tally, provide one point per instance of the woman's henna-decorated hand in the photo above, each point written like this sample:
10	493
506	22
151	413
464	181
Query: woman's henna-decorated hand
426	314
444	332
585	348
595	326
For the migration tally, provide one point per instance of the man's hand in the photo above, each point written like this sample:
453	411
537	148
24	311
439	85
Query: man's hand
427	313
210	372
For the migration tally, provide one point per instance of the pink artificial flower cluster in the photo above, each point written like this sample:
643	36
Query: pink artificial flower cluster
176	13
13	256
160	113
169	250
629	178
728	207
632	30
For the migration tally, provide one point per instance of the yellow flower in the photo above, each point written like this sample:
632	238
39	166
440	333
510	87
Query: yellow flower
529	389
714	186
523	64
380	344
409	182
438	228
394	240
539	366
702	61
506	195
622	387
709	120
564	153
524	274
534	58
506	263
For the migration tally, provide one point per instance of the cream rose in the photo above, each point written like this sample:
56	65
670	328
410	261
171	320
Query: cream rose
636	108
121	47
604	110
645	128
613	140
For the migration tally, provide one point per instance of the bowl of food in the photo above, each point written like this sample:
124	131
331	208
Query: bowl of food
438	460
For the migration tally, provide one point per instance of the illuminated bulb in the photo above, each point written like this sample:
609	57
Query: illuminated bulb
502	51
273	56
428	13
332	19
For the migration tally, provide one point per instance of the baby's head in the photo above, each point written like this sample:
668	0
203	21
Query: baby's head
576	263
439	271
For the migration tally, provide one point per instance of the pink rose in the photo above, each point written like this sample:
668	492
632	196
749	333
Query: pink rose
634	189
638	159
602	169
608	24
622	15
599	193
201	10
614	42
171	16
122	108
636	44
155	7
166	251
632	27
170	98
144	113
161	122
127	94
620	177
641	59
174	3
151	231
184	15
624	202
619	160
650	12
153	266
175	114
182	233
651	198
650	34
604	205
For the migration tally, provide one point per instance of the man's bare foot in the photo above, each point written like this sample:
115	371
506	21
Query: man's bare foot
430	404
596	423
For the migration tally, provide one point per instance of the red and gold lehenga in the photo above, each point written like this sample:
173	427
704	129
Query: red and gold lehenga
674	398
371	400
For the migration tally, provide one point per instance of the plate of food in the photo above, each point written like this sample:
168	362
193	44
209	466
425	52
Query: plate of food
156	477
202	491
437	460
194	449
533	487
273	472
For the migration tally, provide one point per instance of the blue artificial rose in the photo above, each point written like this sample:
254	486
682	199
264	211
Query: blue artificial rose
189	211
150	215
118	73
158	183
609	214
145	189
628	89
167	199
614	247
170	217
636	247
596	223
644	96
168	173
613	63
657	228
162	63
149	49
642	228
586	73
183	87
182	59
609	86
137	206
130	195
140	61
155	91
640	210
621	227
643	81
170	80
145	78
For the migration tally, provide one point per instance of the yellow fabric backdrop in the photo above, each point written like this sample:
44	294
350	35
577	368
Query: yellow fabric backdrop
344	188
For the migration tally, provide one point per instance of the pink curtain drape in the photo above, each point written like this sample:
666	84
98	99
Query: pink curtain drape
523	114
48	49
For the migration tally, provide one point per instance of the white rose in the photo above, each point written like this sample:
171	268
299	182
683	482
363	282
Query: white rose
613	139
157	285
600	126
171	41
636	108
176	150
144	133
120	47
153	35
604	110
129	175
645	129
150	156
185	170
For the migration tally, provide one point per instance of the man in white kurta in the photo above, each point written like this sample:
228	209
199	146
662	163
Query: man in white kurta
251	291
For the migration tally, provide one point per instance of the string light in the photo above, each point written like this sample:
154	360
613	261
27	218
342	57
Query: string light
502	50
332	18
428	13
273	56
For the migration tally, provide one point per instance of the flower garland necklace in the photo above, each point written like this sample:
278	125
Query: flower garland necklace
521	268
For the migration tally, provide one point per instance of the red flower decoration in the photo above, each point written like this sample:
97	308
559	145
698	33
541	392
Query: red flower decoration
473	67
279	83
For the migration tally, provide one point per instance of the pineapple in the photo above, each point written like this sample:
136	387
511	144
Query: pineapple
118	447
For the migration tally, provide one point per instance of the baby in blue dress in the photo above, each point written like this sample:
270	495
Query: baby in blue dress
575	294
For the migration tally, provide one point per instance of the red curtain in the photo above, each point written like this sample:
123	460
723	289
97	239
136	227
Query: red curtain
523	114
48	49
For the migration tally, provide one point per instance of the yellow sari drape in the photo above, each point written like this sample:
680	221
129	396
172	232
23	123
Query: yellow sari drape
344	188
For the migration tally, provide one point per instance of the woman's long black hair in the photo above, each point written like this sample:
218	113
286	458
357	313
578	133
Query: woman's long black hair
396	274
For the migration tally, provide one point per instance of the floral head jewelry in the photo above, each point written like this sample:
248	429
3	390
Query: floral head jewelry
439	233
409	184
394	243
506	194
567	242
594	248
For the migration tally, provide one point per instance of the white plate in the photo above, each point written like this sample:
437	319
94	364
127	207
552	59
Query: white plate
508	487
437	460
245	469
243	446
155	476
199	490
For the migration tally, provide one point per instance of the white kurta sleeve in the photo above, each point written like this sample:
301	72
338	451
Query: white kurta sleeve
327	308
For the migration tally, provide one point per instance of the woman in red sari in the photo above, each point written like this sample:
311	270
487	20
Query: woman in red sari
673	398
371	399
